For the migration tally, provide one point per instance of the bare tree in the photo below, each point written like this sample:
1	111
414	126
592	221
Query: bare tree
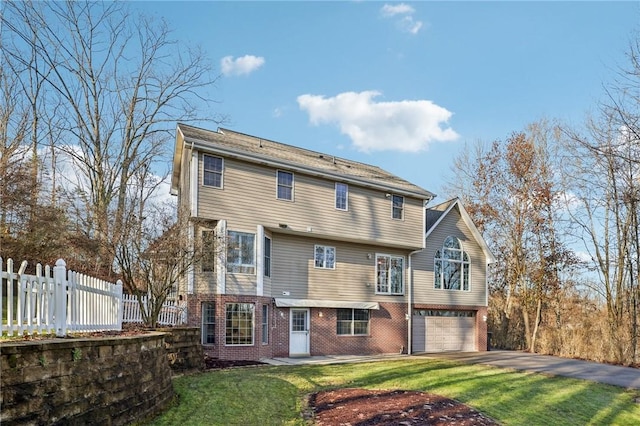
511	192
123	83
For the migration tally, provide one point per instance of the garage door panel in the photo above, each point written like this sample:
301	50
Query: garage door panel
442	334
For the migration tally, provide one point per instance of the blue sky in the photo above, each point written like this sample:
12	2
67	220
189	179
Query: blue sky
404	85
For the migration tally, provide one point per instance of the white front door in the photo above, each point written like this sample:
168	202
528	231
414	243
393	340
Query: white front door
299	332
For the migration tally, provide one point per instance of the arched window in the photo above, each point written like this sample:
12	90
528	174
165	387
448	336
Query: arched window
451	266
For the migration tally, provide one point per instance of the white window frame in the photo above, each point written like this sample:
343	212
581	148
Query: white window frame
208	250
386	286
395	208
268	250
238	267
215	172
278	185
265	324
339	194
442	261
325	257
352	322
206	324
229	340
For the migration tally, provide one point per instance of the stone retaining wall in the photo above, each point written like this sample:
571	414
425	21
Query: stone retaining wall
107	381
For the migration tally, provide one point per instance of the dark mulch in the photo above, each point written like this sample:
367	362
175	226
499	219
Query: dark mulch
362	407
211	363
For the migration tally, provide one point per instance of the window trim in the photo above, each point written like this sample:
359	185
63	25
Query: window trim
208	251
464	261
325	248
265	324
244	265
220	172
394	208
203	324
377	274
293	185
346	196
267	257
226	326
352	322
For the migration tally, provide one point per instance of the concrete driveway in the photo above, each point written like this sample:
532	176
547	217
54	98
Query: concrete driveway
625	377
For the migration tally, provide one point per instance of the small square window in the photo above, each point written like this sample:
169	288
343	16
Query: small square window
325	257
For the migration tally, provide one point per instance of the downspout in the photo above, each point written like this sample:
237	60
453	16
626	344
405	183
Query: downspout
410	280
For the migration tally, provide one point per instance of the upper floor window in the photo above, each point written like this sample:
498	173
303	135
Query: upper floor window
451	266
208	259
241	253
397	206
267	256
389	274
342	196
212	171
285	185
325	257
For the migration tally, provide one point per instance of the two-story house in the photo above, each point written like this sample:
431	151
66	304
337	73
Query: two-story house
318	255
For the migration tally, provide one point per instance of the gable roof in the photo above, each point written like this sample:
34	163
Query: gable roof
263	151
437	213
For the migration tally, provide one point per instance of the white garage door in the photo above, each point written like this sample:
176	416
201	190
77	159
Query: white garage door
444	331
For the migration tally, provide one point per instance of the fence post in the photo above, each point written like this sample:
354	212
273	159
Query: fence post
120	301
60	280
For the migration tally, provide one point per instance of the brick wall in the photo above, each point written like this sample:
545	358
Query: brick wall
237	352
387	332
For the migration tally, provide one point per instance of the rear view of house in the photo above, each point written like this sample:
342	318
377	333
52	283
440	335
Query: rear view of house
317	255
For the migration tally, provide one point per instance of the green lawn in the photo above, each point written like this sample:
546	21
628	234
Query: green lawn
275	395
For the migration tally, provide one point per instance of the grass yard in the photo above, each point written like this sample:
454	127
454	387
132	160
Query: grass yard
275	395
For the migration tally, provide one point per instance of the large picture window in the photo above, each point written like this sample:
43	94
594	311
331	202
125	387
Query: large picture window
241	253
285	185
325	257
208	323
353	322
451	266
389	274
239	324
212	171
342	196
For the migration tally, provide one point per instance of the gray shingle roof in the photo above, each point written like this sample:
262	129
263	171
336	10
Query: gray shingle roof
257	149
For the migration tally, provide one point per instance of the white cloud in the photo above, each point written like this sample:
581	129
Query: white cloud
408	126
397	9
240	66
407	23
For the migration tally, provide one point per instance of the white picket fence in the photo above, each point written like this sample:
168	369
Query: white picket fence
58	301
172	313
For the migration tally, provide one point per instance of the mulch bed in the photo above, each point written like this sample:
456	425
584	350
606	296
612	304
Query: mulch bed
362	407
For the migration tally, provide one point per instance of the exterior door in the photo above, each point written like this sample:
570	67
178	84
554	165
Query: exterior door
299	332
